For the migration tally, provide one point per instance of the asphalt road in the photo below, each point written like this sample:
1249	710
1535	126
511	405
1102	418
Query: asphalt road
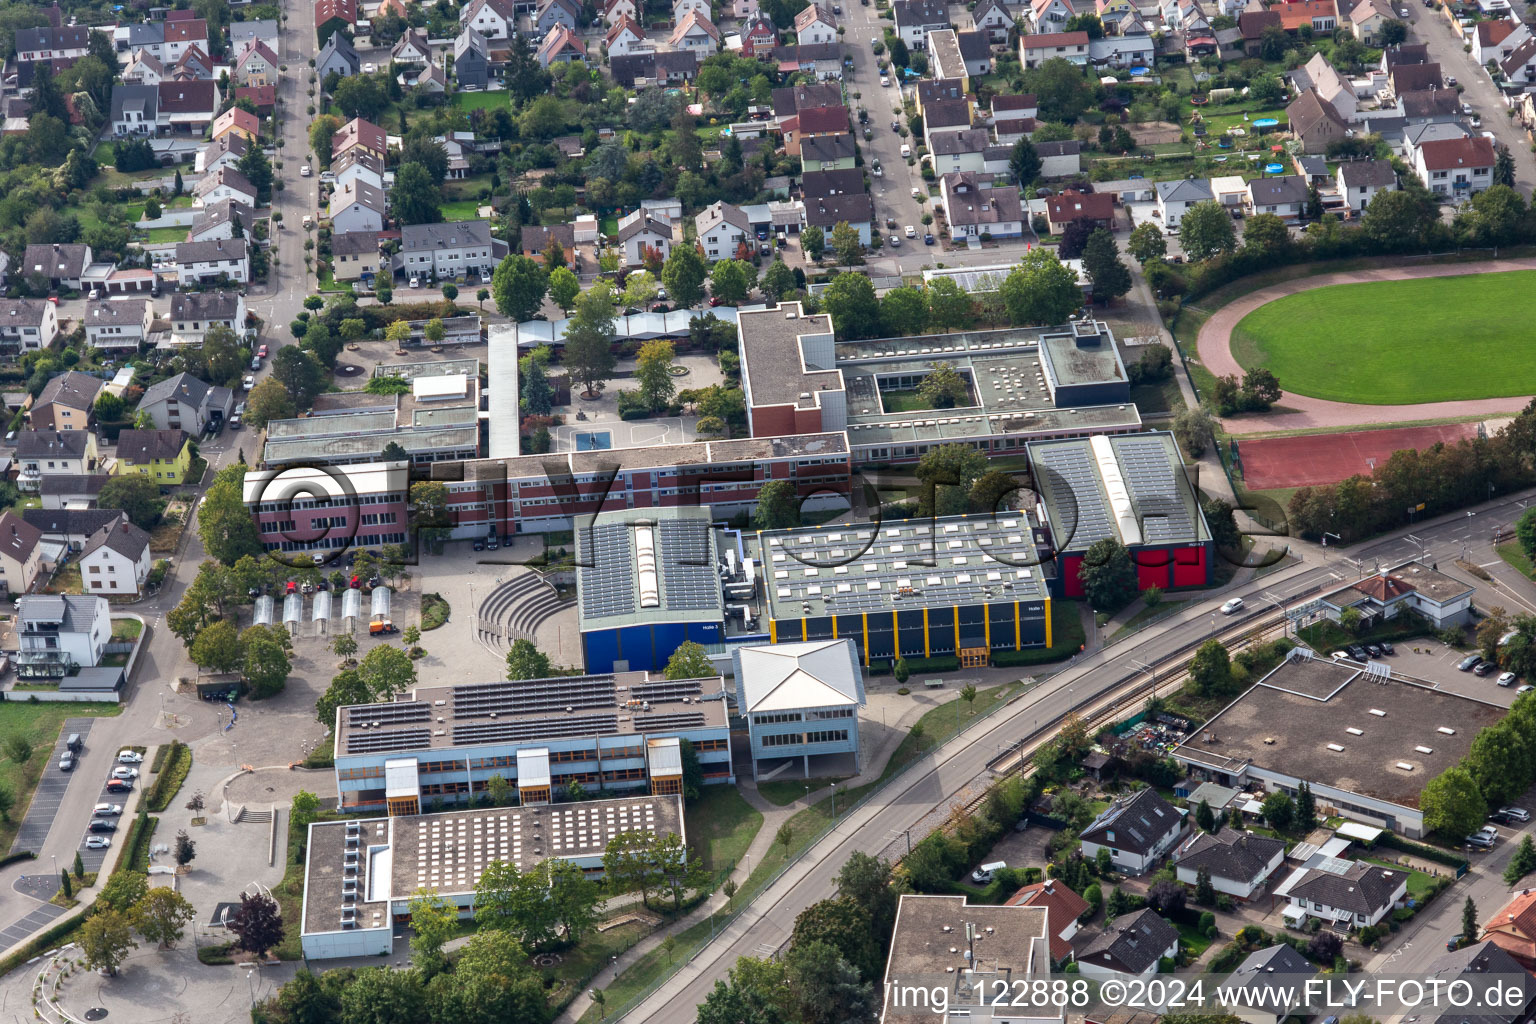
893	191
878	827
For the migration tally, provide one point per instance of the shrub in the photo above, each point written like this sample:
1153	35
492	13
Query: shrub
177	764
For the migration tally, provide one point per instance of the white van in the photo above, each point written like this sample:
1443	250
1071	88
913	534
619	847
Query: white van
906	150
983	875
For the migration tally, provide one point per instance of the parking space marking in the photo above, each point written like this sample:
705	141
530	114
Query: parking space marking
50	792
34	921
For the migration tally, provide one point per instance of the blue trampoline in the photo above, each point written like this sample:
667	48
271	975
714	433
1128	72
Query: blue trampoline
594	441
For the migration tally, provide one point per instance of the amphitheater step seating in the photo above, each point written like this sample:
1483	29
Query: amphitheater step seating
516	609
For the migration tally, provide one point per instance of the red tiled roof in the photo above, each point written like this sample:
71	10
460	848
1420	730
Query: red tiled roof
1295	15
1070	206
1062	907
1492	33
1450	154
1045	39
192	30
817	120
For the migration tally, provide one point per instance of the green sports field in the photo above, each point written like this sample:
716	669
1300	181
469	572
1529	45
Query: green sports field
1434	339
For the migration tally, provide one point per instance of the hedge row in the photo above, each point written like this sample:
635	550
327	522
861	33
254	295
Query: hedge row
18	855
136	858
157	762
177	764
1393	841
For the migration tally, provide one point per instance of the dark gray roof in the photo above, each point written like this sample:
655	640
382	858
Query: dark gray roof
18	538
143	98
1265	973
1131	943
920	12
222	212
974	44
354	242
946	113
183	387
23	312
34	444
1492	964
149	445
68	37
113	312
74	389
1134	824
1362	173
1363	889
57	259
1066	147
71	484
825	211
214	305
677	62
124	538
932	90
97	679
1288	188
827	148
210	252
644	223
841	182
972	140
417	237
71	522
1230	854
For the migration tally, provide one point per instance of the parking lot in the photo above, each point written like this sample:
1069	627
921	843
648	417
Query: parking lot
50	791
1433	663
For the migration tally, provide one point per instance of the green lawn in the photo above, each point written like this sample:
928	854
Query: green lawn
1420	884
165	236
40	724
1433	339
482	100
1515	555
721	825
463	209
1192	940
791	788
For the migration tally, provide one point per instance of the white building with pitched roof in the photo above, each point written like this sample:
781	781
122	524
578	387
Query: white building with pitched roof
801	700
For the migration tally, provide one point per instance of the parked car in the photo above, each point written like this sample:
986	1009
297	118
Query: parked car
1374	650
1386	647
884	82
1500	818
1516	813
911	231
304	171
906	151
1357	652
478	545
1506	678
1527	688
98	842
129	757
124	772
1231	606
896	241
249	382
1468	663
262	352
1480	841
1484	669
66	762
103	825
927	239
119	785
106	810
983	874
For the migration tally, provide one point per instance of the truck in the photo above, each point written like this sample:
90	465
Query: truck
380	627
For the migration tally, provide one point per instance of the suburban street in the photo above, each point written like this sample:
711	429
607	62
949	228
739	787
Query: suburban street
892	193
879	828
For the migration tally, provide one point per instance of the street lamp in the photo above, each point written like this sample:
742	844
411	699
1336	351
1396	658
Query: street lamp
1152	669
833	787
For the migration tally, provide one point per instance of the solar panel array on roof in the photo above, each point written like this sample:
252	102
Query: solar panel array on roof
689	579
670	721
1072	481
666	690
537	728
531	695
608	578
388	714
1155	488
367	741
679	552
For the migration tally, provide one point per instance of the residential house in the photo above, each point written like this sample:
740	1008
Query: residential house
59	633
1355	898
332	16
1367	18
144	68
827	153
471	60
1252	25
1131	945
66	401
224	259
791	99
695	32
260	30
224	184
758	37
1329	83
1112	12
27	325
809	122
72	491
673	67
944	58
1047	16
817	184
225	151
183	36
194	314
1321	16
256	65
1136	48
1013	116
338	57
411	48
262	97
975	212
194	65
358	132
720	229
21	553
1409	587
914	19
52	42
855	208
1437	104
358	164
43	453
72	527
626	37
550	14
1035	50
994	18
1284	195
436	252
1060	159
186	107
186	403
220	219
743	10
682	8
1405	78
1455	167
1489	40
536	238
161	455
236	121
1360	181
61	264
616	9
640	230
821	60
975	52
1273	983
116	325
355	255
1315	121
941	116
1098	209
1136	830
115	562
561	46
815	25
1512	928
356	206
493	19
1239	863
1470	967
1174	198
1063	909
1519	67
954	152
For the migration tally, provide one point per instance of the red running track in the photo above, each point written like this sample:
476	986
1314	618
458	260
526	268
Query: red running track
1312	459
